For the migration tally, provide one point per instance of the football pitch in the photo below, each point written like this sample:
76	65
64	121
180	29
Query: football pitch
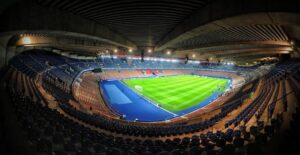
177	93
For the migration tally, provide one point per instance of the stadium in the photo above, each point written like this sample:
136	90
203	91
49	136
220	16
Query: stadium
167	77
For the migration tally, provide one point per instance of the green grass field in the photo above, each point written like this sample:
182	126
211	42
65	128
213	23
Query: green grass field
177	93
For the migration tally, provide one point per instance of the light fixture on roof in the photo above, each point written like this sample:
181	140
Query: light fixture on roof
106	51
26	40
116	50
130	50
194	55
149	51
168	52
174	60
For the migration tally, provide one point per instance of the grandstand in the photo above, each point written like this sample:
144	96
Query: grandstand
198	77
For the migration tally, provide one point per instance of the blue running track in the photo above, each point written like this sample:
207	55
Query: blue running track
126	102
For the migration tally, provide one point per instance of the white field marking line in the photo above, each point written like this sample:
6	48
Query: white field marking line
195	98
196	90
167	83
188	85
149	100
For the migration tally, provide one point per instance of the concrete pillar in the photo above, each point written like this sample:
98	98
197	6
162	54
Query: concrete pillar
3	50
296	53
10	52
2	55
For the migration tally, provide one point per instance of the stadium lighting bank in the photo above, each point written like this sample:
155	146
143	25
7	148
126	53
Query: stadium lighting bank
160	59
26	40
151	59
228	63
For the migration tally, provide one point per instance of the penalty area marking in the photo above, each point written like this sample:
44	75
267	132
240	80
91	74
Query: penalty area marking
149	100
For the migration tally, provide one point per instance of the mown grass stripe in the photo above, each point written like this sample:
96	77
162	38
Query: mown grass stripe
173	90
155	82
202	97
190	99
198	90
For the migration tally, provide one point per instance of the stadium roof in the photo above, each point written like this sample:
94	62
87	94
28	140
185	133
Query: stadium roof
142	21
225	29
